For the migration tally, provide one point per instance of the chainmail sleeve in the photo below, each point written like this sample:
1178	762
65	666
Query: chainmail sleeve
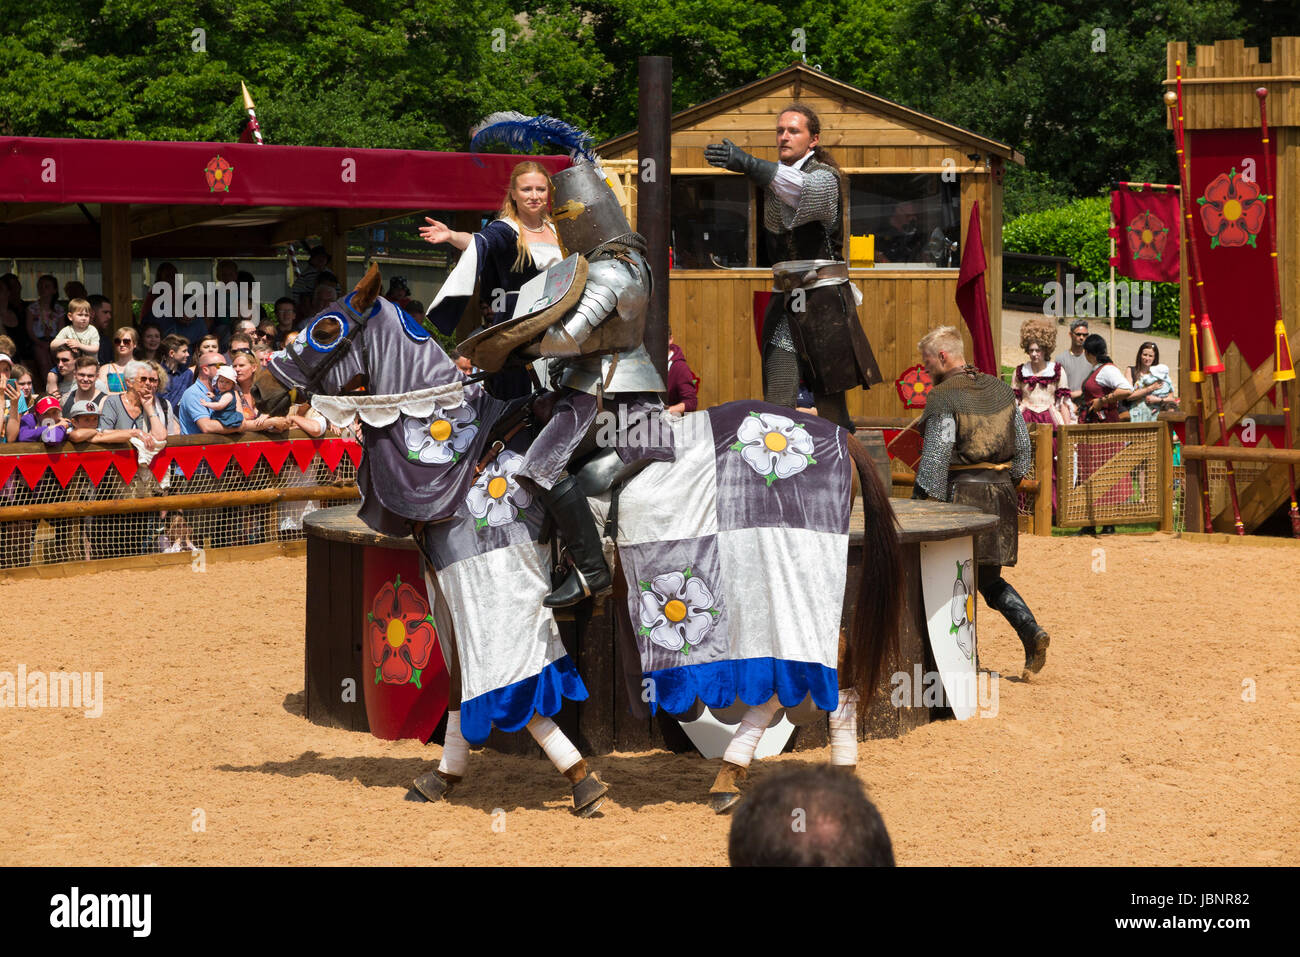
1024	459
819	201
936	455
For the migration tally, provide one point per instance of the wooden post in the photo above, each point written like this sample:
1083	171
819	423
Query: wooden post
1193	517
655	106
1043	472
115	256
1167	479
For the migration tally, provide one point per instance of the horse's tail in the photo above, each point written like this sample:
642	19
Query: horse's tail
874	629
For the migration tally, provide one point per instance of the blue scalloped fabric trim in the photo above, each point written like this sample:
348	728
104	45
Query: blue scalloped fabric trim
753	680
510	708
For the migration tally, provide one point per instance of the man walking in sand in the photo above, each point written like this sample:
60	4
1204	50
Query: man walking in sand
976	448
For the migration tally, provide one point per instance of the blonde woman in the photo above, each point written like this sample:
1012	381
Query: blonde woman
504	255
112	379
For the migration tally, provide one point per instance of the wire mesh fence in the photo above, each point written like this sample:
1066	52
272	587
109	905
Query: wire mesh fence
1109	474
50	500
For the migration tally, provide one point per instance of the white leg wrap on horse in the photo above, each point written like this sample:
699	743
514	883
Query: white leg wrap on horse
455	749
844	730
741	749
553	741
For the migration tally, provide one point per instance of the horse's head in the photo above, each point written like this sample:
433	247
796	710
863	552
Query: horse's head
325	357
362	343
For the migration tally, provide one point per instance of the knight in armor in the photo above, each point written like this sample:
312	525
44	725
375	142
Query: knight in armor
976	448
591	338
811	328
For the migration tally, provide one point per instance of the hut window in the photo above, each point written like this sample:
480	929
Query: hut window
710	219
915	217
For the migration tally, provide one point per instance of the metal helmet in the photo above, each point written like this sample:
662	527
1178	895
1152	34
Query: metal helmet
585	210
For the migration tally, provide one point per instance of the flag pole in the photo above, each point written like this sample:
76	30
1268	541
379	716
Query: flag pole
252	116
1113	253
1213	360
1283	368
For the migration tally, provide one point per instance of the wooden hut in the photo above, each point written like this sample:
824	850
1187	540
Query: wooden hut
893	157
1222	120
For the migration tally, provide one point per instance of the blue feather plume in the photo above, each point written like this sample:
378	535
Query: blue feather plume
517	131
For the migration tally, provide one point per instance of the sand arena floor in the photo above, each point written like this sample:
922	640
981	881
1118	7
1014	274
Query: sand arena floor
1139	716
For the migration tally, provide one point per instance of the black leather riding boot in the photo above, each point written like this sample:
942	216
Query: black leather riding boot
590	575
999	594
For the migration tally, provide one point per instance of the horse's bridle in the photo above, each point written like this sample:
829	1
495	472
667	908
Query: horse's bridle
313	376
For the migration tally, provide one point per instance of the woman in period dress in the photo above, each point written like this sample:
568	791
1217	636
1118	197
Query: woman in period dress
504	255
1041	386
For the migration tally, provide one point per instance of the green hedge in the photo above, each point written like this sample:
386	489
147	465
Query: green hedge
1079	232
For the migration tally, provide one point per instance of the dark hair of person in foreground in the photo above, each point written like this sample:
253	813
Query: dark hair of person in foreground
809	817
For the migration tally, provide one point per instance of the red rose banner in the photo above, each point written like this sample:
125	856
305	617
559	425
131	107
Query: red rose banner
1230	227
1146	234
1232	239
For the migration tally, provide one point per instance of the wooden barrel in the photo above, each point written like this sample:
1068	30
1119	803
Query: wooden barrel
874	442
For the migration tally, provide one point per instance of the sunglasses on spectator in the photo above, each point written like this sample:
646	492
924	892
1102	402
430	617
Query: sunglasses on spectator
128	340
147	378
237	352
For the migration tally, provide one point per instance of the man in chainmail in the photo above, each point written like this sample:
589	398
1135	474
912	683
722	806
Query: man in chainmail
811	329
976	448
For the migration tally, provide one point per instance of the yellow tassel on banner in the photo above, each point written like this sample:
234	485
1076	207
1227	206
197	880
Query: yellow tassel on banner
1283	368
1213	359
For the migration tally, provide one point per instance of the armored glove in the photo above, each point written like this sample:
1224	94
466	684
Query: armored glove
730	156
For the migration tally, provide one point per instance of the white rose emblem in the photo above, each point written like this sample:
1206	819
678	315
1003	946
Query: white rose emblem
440	438
774	446
496	498
963	611
677	611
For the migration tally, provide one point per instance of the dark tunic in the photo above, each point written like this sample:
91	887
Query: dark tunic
829	320
970	419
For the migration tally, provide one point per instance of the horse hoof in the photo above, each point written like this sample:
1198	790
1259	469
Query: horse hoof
589	795
433	786
723	801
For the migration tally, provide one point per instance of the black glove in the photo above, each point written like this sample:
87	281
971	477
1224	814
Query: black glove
730	156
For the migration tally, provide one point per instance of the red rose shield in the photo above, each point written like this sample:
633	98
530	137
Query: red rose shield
400	636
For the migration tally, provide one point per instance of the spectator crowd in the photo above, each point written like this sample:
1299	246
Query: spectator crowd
72	371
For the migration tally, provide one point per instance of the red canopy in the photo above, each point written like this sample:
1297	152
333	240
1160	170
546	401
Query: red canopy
39	170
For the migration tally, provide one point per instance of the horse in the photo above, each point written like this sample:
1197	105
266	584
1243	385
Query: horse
734	553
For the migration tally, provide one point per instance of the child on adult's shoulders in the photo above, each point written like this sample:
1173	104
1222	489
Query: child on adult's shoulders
79	333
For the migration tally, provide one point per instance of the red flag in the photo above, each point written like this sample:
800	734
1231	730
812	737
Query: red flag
972	300
1145	234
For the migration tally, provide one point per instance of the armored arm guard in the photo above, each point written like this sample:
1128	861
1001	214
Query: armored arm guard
936	455
1020	465
611	313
